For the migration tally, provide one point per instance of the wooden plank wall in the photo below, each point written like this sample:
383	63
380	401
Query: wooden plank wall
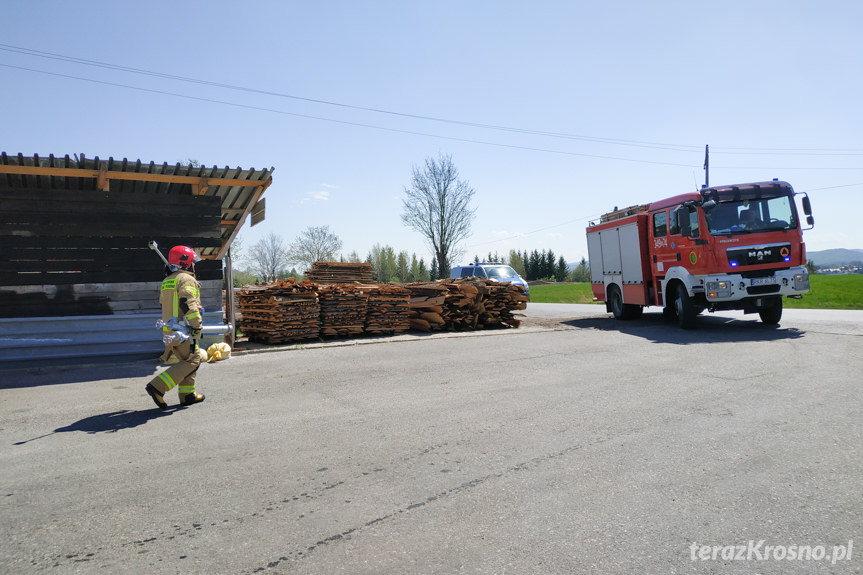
85	252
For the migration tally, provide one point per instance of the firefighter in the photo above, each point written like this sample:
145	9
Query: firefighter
180	299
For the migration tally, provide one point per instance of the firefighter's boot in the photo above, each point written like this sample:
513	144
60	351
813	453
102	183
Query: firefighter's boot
193	398
157	396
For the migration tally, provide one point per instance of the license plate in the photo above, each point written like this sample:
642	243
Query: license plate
764	281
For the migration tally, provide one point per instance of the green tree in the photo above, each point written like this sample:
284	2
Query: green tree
581	273
244	278
548	264
517	263
292	274
560	271
413	274
402	270
383	260
534	266
423	275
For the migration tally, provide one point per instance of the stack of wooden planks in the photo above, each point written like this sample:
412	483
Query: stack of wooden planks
465	304
341	273
388	309
343	309
286	310
281	311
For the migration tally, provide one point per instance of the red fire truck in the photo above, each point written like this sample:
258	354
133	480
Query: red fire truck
726	247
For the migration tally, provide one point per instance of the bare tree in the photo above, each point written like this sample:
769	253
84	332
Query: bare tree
268	257
315	244
237	248
438	207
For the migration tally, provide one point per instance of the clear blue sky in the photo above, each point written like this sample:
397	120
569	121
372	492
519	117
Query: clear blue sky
603	103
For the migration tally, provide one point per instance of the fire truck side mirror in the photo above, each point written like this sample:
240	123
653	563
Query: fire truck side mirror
807	209
683	223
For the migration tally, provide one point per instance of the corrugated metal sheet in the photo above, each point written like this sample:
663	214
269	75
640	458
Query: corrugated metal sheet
39	341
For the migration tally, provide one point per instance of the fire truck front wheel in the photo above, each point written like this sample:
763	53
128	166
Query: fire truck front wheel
684	311
771	315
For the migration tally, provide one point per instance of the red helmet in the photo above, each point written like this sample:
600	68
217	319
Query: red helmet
183	257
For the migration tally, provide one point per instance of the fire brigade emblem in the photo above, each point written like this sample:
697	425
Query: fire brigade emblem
693	258
784	252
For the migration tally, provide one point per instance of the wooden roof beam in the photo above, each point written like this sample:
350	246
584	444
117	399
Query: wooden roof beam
104	174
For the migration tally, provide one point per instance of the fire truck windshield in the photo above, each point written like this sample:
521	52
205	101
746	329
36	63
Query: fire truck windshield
751	216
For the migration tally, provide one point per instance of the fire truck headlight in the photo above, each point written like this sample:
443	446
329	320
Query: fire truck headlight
718	289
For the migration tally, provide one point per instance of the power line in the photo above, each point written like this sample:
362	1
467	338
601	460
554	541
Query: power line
105	65
411	132
345	122
524	131
833	187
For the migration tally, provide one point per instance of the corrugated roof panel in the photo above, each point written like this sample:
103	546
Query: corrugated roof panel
236	200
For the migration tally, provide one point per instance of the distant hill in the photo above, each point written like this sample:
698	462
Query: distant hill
835	257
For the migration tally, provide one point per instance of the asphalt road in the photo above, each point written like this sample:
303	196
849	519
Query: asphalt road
575	444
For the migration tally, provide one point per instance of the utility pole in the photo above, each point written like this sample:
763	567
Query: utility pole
706	166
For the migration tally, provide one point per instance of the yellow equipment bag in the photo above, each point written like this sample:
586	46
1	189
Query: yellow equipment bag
218	351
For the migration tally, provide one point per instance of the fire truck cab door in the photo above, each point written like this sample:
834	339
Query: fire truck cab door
662	252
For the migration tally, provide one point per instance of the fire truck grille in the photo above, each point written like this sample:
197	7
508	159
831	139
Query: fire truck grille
755	255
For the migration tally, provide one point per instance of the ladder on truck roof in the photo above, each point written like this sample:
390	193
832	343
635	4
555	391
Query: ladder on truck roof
624	213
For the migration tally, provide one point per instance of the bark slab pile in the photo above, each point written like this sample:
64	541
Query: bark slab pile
279	312
286	310
465	304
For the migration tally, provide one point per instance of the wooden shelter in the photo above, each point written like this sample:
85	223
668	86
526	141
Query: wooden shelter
74	252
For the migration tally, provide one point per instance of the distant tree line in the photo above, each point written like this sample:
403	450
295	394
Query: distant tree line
541	265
